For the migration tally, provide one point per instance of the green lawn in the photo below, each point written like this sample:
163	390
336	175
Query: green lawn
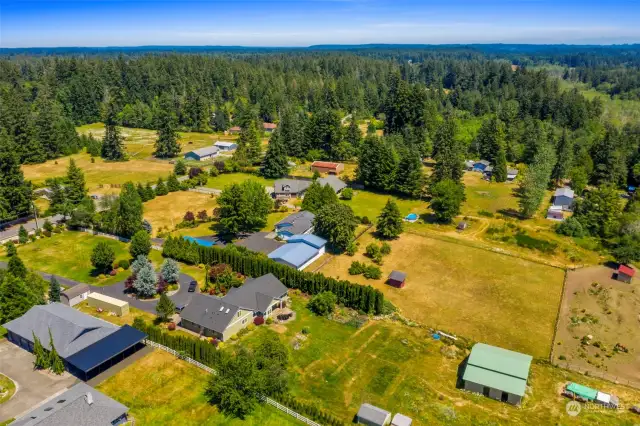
162	390
69	255
7	388
225	179
370	204
402	369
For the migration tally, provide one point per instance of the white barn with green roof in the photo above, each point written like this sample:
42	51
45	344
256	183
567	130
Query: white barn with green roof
497	373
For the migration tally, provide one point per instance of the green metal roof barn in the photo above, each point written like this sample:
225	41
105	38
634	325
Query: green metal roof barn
497	373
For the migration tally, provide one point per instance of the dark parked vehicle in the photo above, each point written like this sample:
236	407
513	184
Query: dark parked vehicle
192	286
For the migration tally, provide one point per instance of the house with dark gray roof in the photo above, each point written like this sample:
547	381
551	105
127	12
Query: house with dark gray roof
202	154
87	345
80	405
334	182
259	242
371	415
290	188
298	223
222	317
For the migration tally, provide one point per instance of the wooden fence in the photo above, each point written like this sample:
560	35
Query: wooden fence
262	398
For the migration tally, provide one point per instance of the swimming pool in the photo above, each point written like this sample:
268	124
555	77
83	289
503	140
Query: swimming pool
412	216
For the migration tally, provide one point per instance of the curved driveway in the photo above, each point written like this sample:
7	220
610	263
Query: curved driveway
181	297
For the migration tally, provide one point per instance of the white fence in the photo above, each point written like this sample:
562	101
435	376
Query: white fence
212	371
205	190
115	237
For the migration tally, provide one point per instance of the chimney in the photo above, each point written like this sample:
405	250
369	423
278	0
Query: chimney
89	398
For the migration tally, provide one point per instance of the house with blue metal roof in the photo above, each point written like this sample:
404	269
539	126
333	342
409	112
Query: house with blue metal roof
300	251
299	223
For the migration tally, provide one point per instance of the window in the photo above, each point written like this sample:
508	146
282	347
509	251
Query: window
244	321
239	313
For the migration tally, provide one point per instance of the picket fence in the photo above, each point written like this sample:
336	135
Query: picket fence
263	398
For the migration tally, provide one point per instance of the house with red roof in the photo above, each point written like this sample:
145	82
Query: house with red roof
269	127
625	273
327	167
235	130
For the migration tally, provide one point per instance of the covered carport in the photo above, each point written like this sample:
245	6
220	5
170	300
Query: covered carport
103	354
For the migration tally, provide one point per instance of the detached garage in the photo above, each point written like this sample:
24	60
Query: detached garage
497	373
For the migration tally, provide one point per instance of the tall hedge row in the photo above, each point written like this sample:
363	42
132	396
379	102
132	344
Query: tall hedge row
199	350
356	296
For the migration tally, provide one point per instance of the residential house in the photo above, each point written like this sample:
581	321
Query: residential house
79	405
222	317
298	223
497	373
202	154
327	167
480	166
563	197
625	273
235	130
226	146
334	182
300	251
74	295
290	188
259	243
371	415
86	344
269	127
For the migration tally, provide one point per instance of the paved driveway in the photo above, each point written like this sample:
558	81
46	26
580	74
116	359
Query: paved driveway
33	386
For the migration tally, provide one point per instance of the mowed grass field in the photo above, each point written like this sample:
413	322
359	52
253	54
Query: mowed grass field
485	296
169	210
69	255
370	204
8	388
402	369
160	389
100	174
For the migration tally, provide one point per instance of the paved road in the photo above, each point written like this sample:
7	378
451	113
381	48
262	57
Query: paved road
30	225
181	297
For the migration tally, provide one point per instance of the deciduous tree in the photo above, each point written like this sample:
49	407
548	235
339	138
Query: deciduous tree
102	257
140	244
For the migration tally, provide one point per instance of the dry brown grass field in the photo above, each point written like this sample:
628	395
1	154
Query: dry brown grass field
168	210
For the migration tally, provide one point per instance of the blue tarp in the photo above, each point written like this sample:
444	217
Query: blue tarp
200	242
105	349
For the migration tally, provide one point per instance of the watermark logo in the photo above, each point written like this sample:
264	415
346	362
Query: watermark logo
573	408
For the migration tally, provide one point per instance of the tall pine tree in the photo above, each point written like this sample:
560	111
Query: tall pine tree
112	143
167	145
129	217
275	161
15	193
54	290
449	156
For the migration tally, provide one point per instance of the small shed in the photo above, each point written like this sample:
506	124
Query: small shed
625	273
74	295
462	226
371	415
555	213
226	146
107	303
235	130
269	127
401	420
397	279
511	174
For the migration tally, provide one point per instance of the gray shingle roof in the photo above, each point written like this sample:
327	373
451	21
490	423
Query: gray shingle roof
254	295
206	151
373	414
512	171
76	290
334	182
397	276
209	311
291	186
258	243
401	420
300	222
564	192
72	408
71	329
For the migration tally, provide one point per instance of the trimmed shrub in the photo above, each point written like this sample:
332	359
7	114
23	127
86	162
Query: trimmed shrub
258	320
372	272
171	326
269	321
124	264
347	194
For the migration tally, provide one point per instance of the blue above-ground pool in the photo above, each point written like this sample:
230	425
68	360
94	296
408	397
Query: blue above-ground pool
412	216
200	242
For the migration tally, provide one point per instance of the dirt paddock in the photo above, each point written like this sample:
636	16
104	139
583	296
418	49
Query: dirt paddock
599	326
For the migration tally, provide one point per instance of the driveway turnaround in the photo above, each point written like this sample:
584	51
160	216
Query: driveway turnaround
181	297
33	386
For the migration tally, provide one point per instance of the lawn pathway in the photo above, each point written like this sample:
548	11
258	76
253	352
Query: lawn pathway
117	290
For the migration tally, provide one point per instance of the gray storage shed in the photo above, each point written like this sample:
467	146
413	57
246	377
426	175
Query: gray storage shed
74	295
372	416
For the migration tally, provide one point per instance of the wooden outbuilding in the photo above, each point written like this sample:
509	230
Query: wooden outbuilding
625	273
74	295
327	167
397	279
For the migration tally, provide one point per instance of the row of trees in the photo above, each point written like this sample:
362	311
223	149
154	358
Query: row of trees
352	295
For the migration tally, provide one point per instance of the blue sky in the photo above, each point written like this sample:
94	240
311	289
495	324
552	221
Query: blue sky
305	22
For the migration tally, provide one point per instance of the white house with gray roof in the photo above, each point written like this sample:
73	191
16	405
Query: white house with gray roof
222	317
564	197
80	405
202	154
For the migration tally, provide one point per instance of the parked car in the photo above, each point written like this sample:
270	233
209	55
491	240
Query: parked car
193	285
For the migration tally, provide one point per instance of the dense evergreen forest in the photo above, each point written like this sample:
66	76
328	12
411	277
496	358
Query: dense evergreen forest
422	97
